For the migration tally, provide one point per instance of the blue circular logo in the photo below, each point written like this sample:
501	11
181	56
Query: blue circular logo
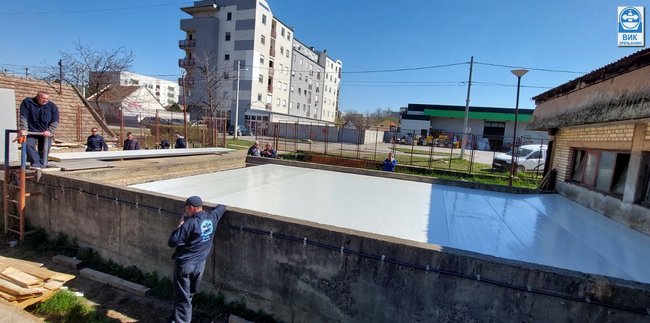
630	18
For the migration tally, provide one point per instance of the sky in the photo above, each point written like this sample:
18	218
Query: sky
393	52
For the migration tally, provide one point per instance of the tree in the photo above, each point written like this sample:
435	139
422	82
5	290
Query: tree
204	80
83	60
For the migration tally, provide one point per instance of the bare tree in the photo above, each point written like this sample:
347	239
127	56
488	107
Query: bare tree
208	79
84	60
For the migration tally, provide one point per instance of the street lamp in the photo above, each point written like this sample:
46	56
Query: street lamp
518	74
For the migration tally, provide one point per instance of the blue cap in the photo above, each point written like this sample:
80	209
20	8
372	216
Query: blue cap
194	201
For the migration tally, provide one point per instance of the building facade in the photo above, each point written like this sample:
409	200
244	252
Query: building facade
496	125
166	92
600	130
230	38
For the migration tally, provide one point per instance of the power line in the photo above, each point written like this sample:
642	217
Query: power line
404	69
531	68
88	10
512	85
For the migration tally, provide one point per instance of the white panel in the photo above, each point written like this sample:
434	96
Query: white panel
8	121
132	154
546	229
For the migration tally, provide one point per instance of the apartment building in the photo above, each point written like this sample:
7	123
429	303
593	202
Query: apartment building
166	92
230	38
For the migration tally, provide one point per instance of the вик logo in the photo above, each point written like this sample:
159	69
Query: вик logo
630	26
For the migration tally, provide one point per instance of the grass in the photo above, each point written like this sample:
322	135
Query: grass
239	144
65	306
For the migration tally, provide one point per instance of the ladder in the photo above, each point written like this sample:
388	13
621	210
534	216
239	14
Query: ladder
14	187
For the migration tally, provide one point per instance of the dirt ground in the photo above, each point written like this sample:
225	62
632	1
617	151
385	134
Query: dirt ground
114	303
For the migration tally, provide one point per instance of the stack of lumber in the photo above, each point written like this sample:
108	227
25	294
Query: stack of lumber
24	283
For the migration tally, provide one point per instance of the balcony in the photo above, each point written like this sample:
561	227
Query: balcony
271	71
270	88
189	81
273	33
186	43
272	52
268	106
186	62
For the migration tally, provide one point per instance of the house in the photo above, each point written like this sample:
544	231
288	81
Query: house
495	125
599	125
76	118
135	103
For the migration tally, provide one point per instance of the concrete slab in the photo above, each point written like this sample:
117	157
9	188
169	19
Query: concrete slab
545	229
131	154
114	281
67	261
80	164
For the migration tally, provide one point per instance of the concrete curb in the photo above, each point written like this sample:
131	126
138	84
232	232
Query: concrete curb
114	281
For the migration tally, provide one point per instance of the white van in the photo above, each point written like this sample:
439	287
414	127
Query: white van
527	158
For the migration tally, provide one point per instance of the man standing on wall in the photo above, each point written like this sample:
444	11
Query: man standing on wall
38	114
193	242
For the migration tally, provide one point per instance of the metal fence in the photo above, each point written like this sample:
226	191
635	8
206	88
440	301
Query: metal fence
442	150
155	129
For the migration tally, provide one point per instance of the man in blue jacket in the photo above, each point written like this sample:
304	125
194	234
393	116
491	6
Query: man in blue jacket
193	242
38	114
96	142
389	163
180	141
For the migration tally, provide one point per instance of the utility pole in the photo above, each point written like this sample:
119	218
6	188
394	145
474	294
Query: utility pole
60	77
237	102
184	105
466	121
26	71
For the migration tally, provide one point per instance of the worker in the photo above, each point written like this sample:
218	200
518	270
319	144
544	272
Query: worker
193	242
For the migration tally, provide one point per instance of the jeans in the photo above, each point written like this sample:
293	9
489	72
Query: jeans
34	157
187	278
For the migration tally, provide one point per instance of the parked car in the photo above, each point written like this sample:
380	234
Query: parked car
241	130
527	158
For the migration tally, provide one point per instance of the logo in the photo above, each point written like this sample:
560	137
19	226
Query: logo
206	230
631	27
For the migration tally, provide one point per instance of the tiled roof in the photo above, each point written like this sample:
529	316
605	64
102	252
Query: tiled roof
623	65
75	120
116	93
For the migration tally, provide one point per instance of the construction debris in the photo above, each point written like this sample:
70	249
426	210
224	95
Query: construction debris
24	283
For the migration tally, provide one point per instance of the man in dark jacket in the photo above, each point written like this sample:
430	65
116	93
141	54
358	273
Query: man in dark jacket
38	114
96	142
389	163
269	152
193	242
180	141
254	150
131	143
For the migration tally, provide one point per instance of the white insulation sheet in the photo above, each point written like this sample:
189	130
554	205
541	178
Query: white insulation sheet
545	229
133	154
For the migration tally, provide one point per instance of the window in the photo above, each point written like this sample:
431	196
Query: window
263	19
259	97
262	59
281	50
226	57
602	170
284	103
227	36
288	35
229	16
287	54
261	78
282	31
278	102
263	40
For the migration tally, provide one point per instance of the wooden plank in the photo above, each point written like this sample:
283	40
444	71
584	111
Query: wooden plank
13	261
7	296
24	304
62	277
20	278
41	273
53	285
13	289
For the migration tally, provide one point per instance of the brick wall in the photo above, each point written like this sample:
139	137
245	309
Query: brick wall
617	137
75	120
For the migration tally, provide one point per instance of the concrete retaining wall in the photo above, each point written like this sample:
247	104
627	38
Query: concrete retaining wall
331	133
336	275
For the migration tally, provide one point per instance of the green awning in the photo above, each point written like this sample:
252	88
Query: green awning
491	116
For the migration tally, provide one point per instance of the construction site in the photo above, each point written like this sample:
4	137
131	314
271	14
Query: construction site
308	241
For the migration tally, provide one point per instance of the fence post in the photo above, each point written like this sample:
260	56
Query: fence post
451	154
121	126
